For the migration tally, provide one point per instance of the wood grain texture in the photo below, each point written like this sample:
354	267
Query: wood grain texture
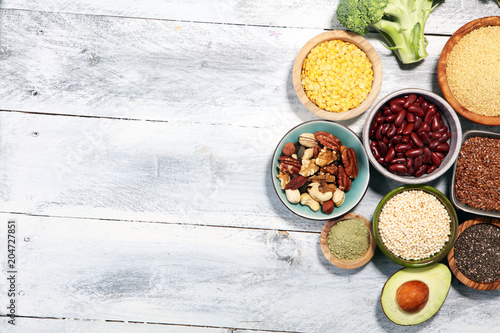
135	147
445	19
218	277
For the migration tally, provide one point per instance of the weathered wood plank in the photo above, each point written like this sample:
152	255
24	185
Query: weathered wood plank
218	277
162	70
170	172
446	18
51	325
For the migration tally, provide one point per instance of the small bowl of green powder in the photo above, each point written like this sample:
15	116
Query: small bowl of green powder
348	242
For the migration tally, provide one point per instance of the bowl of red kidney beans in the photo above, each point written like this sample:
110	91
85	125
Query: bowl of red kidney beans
412	136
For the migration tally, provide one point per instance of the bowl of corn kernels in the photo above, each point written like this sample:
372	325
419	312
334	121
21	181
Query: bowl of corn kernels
337	75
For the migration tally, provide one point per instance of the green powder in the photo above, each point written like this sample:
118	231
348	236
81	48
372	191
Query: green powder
349	239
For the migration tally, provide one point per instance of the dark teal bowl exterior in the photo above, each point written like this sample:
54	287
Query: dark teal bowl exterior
426	261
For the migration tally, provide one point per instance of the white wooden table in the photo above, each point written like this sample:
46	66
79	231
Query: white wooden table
135	147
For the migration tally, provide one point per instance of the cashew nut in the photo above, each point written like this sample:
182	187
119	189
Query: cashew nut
308	154
338	197
317	195
293	196
306	200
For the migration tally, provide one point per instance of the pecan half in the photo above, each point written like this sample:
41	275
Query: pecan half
289	165
327	178
296	183
343	181
328	140
349	161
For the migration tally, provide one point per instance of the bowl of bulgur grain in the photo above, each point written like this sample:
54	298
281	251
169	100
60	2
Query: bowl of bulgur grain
337	75
415	225
475	186
468	71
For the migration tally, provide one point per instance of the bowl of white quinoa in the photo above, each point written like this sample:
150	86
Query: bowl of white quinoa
415	225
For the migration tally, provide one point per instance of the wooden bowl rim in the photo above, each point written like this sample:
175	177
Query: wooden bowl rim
451	256
441	70
360	42
347	264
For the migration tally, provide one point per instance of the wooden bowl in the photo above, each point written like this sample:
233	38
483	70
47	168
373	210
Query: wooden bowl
361	43
441	71
347	264
453	265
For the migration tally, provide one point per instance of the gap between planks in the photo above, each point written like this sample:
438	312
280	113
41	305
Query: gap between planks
133	322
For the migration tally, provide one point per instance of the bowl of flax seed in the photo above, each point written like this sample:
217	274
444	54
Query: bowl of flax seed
475	186
468	71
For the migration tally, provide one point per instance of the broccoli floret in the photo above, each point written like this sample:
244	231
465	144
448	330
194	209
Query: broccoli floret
400	22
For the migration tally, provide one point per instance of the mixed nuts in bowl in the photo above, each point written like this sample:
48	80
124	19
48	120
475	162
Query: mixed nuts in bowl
320	170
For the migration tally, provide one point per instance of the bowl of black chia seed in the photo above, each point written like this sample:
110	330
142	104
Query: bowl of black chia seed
475	257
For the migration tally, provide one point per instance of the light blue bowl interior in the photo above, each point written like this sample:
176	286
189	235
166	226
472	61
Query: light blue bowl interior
349	139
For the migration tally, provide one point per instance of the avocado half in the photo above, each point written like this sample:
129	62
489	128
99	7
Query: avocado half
413	295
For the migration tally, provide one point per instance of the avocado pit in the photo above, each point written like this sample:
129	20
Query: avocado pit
412	296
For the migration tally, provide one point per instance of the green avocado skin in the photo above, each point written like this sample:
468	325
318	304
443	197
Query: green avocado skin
437	277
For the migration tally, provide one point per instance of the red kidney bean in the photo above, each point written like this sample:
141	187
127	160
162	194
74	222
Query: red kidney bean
418	123
431	169
429	115
409	163
385	128
391	153
424	128
380	160
439	154
425	136
417	110
402	147
400	118
378	133
425	105
410	117
391	118
433	145
416	140
427	155
406	138
386	140
396	103
408	129
436	136
444	137
443	147
443	130
382	148
397	139
387	112
417	162
409	100
412	153
436	124
398	160
398	168
419	100
435	159
403	125
419	172
380	119
391	132
374	149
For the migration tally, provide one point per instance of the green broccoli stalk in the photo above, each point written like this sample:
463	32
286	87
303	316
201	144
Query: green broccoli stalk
400	22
